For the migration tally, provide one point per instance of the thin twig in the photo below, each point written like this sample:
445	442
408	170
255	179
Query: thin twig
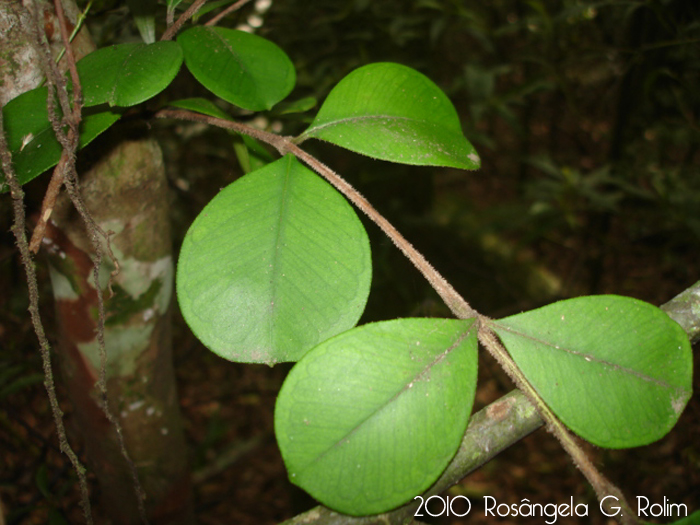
184	17
230	9
77	28
70	59
47	206
65	173
58	176
18	229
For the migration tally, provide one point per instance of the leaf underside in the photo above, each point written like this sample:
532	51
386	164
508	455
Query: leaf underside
277	262
615	370
370	418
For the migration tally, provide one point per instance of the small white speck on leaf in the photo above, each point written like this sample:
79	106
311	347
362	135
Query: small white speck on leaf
26	140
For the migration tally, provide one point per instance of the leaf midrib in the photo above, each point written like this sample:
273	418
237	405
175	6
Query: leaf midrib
417	377
279	234
310	132
589	358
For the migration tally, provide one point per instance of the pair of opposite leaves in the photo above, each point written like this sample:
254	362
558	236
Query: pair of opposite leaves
277	268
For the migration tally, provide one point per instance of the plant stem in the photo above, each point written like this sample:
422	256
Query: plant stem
602	486
184	17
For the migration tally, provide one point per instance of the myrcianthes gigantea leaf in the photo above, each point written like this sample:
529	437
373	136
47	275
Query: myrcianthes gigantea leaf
243	69
128	74
31	138
392	112
276	263
370	418
617	371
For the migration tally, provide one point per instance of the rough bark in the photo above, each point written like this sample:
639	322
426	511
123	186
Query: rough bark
126	193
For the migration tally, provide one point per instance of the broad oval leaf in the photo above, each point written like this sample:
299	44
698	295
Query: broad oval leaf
371	418
128	74
617	371
243	69
392	112
31	138
276	263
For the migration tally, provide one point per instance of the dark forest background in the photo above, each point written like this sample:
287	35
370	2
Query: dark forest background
585	115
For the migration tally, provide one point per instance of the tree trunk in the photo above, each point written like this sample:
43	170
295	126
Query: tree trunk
126	193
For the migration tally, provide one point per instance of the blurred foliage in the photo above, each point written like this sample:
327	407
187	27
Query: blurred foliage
585	114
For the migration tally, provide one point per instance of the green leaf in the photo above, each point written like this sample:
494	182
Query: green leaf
295	106
201	105
41	480
31	139
250	153
370	418
276	263
392	112
615	370
243	69
128	74
172	4
144	13
56	518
